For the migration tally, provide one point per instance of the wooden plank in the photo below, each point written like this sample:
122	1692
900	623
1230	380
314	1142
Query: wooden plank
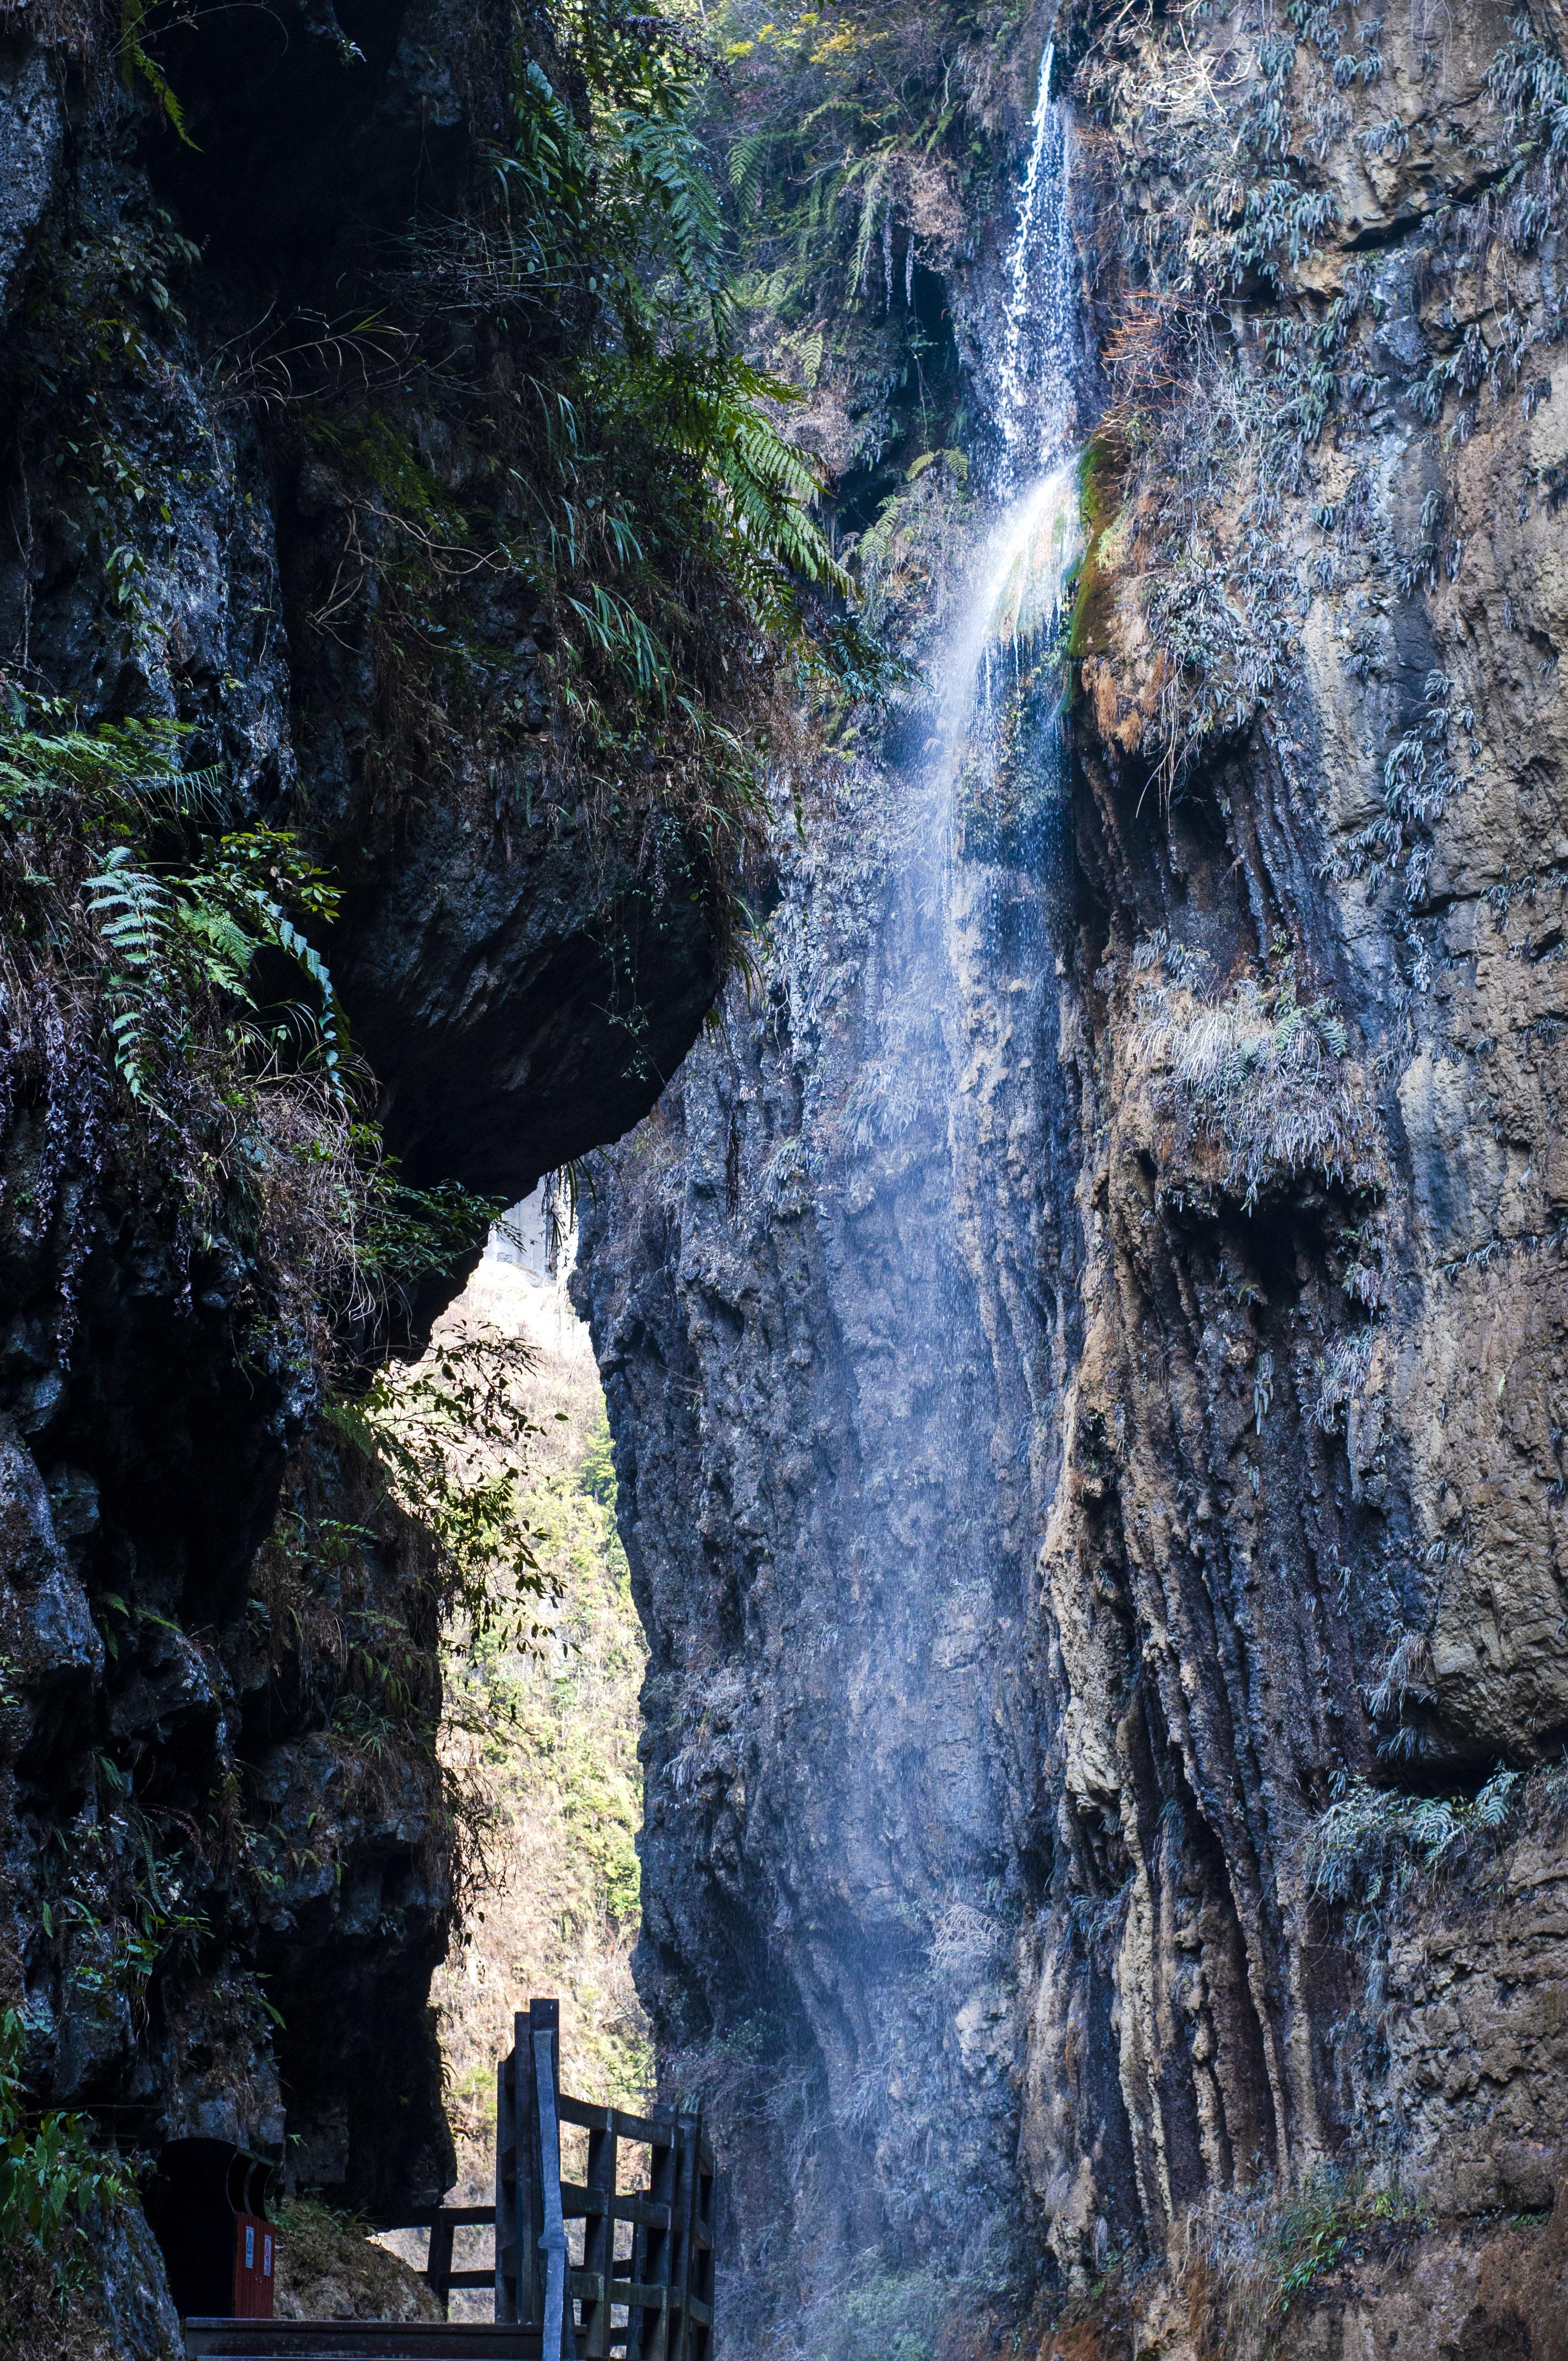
582	2112
357	2340
676	2261
559	2319
465	2217
648	2131
634	2293
691	2247
651	2131
628	2205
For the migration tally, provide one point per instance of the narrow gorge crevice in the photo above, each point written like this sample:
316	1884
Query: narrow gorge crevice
921	649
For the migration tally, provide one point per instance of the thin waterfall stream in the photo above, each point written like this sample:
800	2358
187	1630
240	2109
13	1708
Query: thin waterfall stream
937	1178
1040	1333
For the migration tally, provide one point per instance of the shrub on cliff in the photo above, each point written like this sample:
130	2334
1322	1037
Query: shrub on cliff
58	2192
145	940
1259	1083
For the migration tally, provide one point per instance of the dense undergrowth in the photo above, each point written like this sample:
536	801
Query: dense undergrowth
576	537
854	141
60	2193
541	1730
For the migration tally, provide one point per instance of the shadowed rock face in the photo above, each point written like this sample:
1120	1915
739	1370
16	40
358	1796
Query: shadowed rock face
1041	1517
517	983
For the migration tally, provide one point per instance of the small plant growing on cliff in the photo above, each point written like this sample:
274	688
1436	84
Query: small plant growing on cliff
170	950
178	910
450	1438
1268	2256
1261	1078
1371	1844
56	2184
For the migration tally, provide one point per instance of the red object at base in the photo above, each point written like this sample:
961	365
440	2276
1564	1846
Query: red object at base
254	2254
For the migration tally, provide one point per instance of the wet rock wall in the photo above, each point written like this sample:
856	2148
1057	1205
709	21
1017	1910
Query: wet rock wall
1046	1799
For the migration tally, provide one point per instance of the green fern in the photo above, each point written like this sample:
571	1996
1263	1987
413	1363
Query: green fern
330	1025
137	64
117	769
667	165
170	927
136	914
759	490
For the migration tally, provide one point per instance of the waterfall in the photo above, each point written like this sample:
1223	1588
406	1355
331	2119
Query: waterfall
882	1398
1034	401
1000	776
942	1192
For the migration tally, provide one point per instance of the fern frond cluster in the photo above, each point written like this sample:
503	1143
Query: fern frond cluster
144	937
177	909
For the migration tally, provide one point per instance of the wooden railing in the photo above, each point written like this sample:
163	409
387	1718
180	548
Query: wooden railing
660	2284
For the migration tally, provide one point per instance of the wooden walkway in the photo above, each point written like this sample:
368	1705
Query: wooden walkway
644	2285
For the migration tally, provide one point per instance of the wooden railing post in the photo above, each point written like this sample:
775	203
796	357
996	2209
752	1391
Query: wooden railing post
557	2339
699	2269
598	2239
506	2186
544	2017
683	2223
651	2259
438	2261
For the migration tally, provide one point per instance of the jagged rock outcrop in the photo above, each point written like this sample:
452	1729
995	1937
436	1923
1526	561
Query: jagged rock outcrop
1104	1559
228	1852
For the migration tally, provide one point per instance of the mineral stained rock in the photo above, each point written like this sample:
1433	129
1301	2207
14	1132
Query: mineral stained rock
1099	1513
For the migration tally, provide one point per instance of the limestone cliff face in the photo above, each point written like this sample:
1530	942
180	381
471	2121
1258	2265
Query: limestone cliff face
228	1865
1104	1563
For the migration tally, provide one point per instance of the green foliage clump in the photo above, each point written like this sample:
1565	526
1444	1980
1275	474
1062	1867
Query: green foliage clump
173	949
57	2185
181	916
450	1436
597	1474
892	2315
118	1903
552	1701
1270	2254
622	503
850	139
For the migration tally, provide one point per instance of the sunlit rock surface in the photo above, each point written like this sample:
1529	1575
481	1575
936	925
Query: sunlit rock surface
1086	1341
